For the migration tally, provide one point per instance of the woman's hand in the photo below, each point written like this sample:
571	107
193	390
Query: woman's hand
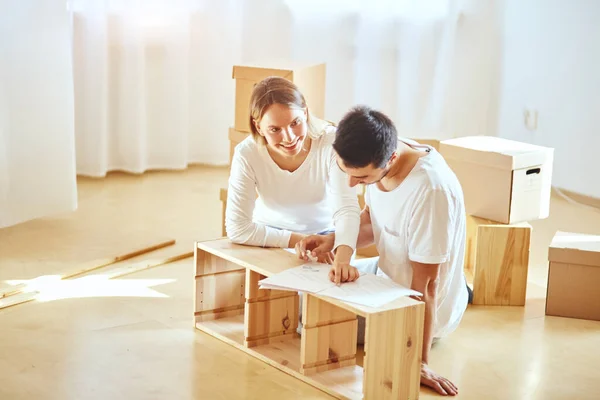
319	246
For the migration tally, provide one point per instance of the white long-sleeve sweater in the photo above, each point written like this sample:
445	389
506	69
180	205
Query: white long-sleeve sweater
314	198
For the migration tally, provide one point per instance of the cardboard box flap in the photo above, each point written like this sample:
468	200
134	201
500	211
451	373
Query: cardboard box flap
575	248
496	152
237	136
255	73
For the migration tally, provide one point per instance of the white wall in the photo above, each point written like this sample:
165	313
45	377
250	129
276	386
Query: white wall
37	157
473	94
551	62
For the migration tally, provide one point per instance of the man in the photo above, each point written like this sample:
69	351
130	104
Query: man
414	214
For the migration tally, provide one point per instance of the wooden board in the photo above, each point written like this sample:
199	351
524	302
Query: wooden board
343	383
22	298
393	350
93	266
270	315
325	355
502	262
219	286
497	261
329	336
269	261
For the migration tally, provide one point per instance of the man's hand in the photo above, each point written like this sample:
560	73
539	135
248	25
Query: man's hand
342	271
438	383
319	246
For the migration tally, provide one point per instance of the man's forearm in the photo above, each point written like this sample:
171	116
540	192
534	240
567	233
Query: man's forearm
343	254
430	312
428	287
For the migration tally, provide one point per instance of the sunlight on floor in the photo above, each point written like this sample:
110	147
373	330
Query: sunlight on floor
52	287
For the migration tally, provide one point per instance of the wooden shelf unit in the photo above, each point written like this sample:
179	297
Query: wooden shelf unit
497	261
263	323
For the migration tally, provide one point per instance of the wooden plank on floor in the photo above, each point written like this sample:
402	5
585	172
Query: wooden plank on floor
94	265
22	298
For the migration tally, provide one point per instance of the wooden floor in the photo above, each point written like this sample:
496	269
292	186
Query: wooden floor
133	338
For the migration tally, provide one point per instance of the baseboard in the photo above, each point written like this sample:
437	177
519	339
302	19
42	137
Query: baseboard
583	199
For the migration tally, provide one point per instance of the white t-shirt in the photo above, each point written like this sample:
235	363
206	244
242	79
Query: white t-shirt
424	220
315	197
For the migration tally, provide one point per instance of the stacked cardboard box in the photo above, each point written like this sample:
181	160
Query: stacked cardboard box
574	276
309	79
506	184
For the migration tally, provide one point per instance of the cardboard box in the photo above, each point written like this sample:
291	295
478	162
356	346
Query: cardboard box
502	180
574	276
309	79
223	199
235	137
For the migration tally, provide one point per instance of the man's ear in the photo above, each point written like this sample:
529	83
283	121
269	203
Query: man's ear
393	157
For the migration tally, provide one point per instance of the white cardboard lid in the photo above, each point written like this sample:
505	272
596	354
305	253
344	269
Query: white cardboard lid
497	152
575	248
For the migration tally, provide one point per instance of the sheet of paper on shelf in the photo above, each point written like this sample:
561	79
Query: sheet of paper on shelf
311	277
368	290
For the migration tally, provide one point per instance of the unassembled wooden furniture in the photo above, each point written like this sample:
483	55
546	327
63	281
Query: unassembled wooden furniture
497	257
230	306
574	276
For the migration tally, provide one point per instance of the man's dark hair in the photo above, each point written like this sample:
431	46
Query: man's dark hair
365	136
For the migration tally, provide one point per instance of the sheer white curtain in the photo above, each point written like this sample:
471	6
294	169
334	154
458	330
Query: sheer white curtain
153	84
37	158
146	84
152	79
395	55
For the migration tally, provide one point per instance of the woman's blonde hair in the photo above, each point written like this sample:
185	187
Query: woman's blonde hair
278	90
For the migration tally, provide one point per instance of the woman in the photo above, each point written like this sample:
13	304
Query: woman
290	162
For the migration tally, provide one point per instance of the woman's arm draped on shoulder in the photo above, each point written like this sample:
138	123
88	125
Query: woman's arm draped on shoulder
346	214
241	198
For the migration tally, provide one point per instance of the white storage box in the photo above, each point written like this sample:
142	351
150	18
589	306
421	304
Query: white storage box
503	180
